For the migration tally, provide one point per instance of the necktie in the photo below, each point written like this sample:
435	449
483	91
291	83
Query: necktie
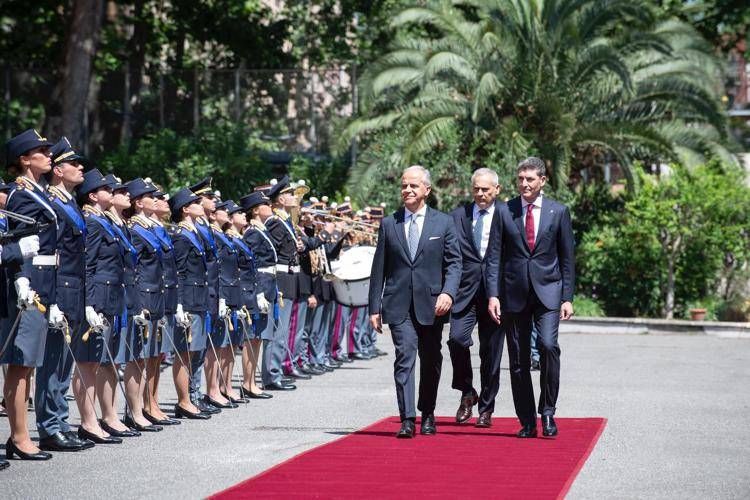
478	227
530	239
413	236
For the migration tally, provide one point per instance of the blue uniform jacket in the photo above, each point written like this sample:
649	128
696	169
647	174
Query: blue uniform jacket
192	271
149	274
170	270
229	273
105	267
264	255
71	248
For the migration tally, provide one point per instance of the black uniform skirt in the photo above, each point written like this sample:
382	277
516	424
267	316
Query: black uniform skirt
92	349
152	343
194	339
167	335
25	341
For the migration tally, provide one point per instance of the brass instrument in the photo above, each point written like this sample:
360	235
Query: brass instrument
323	213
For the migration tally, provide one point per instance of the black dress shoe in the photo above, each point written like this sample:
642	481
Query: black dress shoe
427	428
333	364
324	368
527	431
407	429
359	355
181	412
10	450
549	427
485	420
163	421
210	401
307	369
128	420
299	376
75	438
206	408
464	412
280	387
90	436
120	434
251	395
242	398
59	442
378	352
344	359
4	464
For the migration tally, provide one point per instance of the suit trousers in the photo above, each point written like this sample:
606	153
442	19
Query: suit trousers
411	339
298	337
320	323
491	337
275	350
52	383
519	325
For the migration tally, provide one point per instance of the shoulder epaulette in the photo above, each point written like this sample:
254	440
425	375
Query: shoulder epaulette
22	183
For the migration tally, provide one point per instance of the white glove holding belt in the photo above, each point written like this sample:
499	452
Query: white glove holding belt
25	294
180	316
241	314
29	246
263	304
56	317
94	319
223	309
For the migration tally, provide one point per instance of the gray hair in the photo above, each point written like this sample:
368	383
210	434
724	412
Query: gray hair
485	172
426	177
533	163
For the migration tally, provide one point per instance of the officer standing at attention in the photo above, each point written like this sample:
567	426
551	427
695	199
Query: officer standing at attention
33	291
192	292
53	377
257	207
205	192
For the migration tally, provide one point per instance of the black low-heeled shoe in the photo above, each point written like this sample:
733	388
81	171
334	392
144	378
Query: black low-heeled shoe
84	434
180	412
163	421
242	399
11	449
209	400
120	434
251	395
128	420
4	464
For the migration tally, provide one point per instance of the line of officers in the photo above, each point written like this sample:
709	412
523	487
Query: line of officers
119	276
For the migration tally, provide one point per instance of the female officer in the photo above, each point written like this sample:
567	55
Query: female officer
192	292
33	290
149	290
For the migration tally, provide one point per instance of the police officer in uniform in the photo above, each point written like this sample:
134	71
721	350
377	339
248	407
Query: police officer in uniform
105	302
257	207
31	290
192	292
204	190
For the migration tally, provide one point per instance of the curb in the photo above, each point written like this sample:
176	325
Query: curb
647	326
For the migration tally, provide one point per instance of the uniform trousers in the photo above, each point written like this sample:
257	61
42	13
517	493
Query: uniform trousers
320	321
298	338
53	382
275	350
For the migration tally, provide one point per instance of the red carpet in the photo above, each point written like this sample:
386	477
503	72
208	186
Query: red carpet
461	461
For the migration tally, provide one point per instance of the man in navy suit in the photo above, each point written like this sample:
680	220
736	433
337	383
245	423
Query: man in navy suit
531	275
476	224
415	276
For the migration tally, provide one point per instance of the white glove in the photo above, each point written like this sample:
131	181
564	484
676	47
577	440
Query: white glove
56	317
223	308
25	293
180	316
263	304
140	319
95	320
29	246
241	314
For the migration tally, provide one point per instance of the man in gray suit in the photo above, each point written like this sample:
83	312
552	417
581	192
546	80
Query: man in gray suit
414	280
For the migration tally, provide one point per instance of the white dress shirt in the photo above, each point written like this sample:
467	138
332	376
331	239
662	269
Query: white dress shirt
486	225
409	220
536	211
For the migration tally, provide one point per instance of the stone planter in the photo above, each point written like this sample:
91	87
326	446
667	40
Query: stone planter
698	314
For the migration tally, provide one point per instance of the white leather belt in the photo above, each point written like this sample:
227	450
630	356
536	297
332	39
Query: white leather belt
44	260
285	268
267	270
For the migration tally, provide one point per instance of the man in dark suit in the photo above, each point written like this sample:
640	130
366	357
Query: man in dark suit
531	275
476	224
414	280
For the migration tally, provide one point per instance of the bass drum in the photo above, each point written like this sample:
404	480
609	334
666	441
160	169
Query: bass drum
351	283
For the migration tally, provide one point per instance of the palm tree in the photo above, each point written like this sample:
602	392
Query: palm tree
578	82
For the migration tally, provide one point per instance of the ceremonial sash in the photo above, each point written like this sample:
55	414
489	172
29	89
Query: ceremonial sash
226	242
207	234
245	249
162	234
3	224
125	242
265	237
197	244
74	215
150	238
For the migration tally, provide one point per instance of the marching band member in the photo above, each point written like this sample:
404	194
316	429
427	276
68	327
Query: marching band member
192	274
32	293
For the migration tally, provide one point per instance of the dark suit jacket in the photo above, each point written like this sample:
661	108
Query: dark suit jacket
397	283
549	269
473	277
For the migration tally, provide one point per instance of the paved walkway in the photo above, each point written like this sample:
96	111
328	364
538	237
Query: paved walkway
677	407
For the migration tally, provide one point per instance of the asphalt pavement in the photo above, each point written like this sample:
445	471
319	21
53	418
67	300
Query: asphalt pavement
677	409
